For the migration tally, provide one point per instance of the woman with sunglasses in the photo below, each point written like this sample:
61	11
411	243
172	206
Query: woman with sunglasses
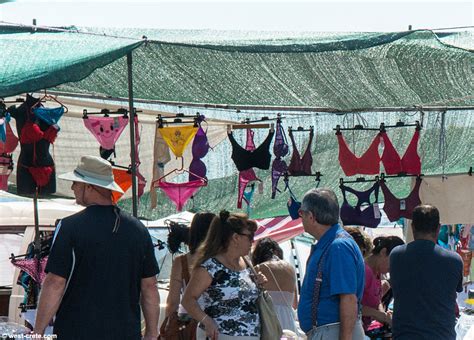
222	282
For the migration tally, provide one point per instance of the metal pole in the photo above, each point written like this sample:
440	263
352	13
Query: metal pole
132	135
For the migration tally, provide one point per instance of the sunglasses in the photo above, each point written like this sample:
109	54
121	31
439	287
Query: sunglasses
249	236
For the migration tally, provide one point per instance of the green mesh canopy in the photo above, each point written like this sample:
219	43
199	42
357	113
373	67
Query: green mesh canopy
328	71
35	61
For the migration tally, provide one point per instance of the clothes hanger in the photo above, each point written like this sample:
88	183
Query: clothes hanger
358	180
300	129
399	124
106	113
338	128
179	171
177	119
47	96
402	174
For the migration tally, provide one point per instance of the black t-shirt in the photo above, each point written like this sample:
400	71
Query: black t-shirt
104	271
425	279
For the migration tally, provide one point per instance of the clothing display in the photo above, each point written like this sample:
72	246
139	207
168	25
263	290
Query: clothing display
246	176
367	164
293	204
180	193
230	300
161	156
106	130
11	141
409	164
258	158
50	116
6	167
32	267
178	137
123	178
394	207
4	121
35	166
280	150
200	148
300	166
369	215
141	181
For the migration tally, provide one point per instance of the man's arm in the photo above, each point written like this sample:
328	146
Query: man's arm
49	301
150	302
347	315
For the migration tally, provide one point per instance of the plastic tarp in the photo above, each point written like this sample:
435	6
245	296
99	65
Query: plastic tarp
339	72
18	211
39	60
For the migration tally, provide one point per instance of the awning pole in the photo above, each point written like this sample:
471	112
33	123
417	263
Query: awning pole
132	135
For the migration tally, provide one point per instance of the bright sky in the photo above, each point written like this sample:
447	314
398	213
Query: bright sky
315	15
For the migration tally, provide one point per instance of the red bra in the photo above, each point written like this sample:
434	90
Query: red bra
367	164
409	164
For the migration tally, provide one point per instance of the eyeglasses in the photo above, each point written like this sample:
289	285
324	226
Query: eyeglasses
249	236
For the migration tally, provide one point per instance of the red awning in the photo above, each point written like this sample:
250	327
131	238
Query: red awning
280	228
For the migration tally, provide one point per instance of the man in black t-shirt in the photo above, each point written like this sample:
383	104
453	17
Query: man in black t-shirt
425	278
101	267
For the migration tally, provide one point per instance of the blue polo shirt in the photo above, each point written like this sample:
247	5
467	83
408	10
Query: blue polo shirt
343	273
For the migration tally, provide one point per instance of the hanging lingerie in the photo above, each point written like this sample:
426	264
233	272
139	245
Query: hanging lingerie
123	178
395	208
301	166
200	148
369	216
410	163
293	204
161	156
106	130
141	181
246	176
258	158
280	149
178	137
4	121
180	193
50	116
31	133
31	267
367	164
6	167
11	141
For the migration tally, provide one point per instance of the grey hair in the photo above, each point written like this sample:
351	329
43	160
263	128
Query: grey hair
322	203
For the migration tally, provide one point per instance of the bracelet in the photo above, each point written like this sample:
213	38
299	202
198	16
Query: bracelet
204	318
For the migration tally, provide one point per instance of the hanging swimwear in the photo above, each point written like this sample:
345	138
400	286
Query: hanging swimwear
4	121
200	148
161	156
123	178
369	216
280	149
396	208
11	141
409	164
30	266
50	116
246	176
178	137
367	164
258	158
300	166
293	204
180	193
6	167
106	130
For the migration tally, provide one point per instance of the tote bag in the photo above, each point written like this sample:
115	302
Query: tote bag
270	328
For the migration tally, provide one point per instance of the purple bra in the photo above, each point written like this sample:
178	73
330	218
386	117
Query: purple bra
280	149
199	150
369	216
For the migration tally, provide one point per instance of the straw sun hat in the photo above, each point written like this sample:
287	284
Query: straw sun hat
93	170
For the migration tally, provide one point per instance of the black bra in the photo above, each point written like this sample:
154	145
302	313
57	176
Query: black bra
258	158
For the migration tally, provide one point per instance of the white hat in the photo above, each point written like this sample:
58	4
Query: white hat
93	170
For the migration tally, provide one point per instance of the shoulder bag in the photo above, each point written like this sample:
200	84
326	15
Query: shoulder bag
270	328
179	327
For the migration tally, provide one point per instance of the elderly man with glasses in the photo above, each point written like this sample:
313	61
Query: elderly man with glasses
329	305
